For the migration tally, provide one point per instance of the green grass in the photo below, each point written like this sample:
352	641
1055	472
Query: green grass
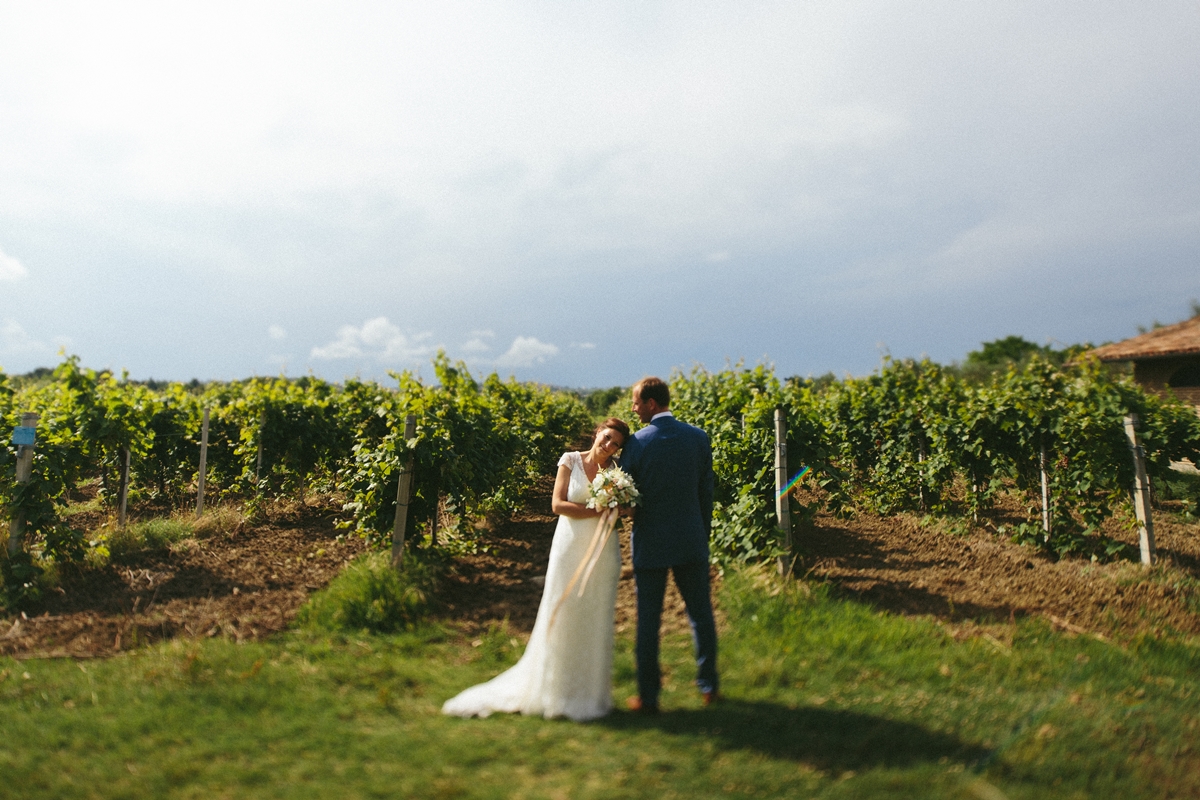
369	595
147	535
825	698
114	543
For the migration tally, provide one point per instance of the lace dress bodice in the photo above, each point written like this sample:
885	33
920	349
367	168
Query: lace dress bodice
577	489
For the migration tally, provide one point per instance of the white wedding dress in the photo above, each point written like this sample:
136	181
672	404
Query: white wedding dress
566	670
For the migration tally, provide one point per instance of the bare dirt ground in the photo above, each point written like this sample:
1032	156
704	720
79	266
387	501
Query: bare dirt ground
244	583
980	578
248	582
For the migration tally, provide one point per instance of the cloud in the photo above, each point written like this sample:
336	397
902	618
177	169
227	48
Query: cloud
10	268
527	351
583	345
477	345
277	333
14	341
379	340
811	146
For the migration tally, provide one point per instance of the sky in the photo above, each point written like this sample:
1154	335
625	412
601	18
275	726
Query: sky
582	194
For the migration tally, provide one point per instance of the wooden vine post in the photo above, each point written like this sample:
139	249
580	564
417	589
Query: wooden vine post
921	469
262	426
25	437
1141	490
403	491
436	496
203	465
1045	491
783	516
124	492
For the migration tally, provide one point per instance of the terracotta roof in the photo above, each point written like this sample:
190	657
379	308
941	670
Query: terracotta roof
1180	339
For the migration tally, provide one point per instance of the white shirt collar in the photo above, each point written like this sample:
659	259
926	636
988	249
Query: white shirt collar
662	414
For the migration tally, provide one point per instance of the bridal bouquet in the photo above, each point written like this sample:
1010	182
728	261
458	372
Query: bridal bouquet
611	488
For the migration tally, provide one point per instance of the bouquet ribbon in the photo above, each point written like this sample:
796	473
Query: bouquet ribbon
608	522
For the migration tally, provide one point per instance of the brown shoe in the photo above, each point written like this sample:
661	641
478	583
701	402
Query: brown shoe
636	705
710	697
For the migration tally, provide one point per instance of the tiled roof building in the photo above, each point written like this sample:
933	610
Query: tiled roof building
1165	360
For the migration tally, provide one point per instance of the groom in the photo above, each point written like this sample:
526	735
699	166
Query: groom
671	463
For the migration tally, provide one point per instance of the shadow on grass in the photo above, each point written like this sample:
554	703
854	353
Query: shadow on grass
827	739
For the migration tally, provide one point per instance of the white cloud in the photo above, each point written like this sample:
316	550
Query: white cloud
10	268
346	345
716	258
478	344
277	333
379	340
14	341
527	351
583	345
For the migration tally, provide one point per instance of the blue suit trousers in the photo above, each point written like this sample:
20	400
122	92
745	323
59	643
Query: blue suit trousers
693	583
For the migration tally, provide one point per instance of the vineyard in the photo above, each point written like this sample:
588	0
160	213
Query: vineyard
915	437
936	641
912	437
478	447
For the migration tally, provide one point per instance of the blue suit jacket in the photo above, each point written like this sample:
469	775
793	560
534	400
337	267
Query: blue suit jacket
671	464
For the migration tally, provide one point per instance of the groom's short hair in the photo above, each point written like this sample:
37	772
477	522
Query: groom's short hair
654	389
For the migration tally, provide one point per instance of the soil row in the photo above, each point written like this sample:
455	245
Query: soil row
249	583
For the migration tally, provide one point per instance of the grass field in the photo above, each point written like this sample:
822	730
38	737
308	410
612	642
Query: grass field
825	698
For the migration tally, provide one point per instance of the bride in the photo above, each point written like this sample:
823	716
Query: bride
566	670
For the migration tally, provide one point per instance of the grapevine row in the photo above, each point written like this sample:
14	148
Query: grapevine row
916	437
911	437
479	445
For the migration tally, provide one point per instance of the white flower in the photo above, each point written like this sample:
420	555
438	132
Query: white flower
611	488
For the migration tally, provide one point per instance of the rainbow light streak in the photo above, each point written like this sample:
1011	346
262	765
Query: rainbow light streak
796	479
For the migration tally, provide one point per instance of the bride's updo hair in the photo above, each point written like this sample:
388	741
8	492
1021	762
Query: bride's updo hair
617	424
